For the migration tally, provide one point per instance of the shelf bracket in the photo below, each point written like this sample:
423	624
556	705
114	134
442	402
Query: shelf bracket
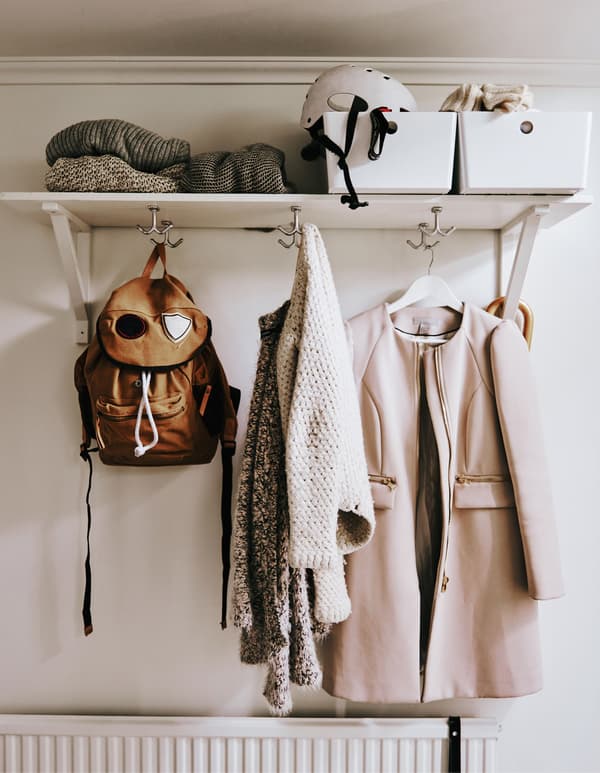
530	224
74	253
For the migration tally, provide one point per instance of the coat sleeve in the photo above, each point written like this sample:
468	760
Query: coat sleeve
523	441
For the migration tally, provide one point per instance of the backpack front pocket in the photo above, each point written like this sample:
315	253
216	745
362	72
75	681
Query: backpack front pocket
116	422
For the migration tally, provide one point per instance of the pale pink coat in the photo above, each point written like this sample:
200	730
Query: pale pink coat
499	548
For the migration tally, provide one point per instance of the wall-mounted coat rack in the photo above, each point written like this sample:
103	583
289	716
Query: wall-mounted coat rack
74	215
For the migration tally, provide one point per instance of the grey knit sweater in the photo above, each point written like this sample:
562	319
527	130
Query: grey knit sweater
273	604
139	147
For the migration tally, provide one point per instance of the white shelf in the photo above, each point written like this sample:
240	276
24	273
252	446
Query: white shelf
191	210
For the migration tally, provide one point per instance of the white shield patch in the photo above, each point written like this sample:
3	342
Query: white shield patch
176	326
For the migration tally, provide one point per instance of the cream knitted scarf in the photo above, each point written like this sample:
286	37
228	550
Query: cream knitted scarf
330	505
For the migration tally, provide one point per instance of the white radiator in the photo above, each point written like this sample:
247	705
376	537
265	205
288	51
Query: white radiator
89	744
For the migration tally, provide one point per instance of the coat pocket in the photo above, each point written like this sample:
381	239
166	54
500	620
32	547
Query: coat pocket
383	491
483	492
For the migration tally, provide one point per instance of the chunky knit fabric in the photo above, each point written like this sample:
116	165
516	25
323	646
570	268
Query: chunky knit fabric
110	174
331	510
139	147
272	603
252	169
471	96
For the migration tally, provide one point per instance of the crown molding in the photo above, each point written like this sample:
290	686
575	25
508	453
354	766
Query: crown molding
29	71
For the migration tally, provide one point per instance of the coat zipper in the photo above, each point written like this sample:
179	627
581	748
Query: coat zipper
464	478
386	480
440	386
442	561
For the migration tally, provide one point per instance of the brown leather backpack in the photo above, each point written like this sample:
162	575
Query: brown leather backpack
152	391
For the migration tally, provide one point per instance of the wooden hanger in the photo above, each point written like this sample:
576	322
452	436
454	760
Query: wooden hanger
496	307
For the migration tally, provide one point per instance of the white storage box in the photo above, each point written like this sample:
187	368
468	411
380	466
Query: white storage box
523	152
418	158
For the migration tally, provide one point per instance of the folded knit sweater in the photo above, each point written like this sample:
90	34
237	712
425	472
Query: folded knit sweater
329	496
257	168
110	174
488	96
139	147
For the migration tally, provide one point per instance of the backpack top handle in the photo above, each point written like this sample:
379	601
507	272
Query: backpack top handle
158	252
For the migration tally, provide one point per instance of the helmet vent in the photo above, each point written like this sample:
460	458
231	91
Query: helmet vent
341	102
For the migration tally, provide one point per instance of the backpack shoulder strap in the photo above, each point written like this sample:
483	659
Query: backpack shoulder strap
88	433
227	452
225	400
85	404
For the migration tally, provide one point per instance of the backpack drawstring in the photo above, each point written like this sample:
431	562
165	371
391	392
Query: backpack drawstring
140	448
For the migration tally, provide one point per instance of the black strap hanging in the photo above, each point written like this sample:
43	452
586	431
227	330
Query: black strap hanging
454	761
87	593
227	453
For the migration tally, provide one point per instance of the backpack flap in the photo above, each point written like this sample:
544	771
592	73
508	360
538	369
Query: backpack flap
152	323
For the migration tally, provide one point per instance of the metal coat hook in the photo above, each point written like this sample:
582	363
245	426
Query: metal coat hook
422	243
295	232
154	229
167	236
436	225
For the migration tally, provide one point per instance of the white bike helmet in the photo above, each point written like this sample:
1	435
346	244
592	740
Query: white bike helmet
351	80
354	89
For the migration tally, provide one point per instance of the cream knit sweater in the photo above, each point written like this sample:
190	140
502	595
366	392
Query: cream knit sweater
330	504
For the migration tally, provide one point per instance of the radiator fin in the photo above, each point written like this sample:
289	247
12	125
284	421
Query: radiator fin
240	745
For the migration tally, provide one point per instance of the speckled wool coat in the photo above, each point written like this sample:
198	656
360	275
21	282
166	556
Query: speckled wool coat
496	552
272	603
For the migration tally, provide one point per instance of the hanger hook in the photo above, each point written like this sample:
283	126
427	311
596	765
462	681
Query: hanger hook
430	247
436	225
153	228
295	232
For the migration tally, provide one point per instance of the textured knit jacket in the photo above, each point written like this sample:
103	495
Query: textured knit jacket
272	603
331	510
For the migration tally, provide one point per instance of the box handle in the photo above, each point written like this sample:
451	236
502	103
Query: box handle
526	127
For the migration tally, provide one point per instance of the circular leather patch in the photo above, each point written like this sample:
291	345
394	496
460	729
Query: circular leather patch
131	326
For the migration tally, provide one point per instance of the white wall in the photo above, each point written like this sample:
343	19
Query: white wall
157	647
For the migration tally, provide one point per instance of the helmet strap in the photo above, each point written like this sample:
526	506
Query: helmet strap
380	127
358	106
